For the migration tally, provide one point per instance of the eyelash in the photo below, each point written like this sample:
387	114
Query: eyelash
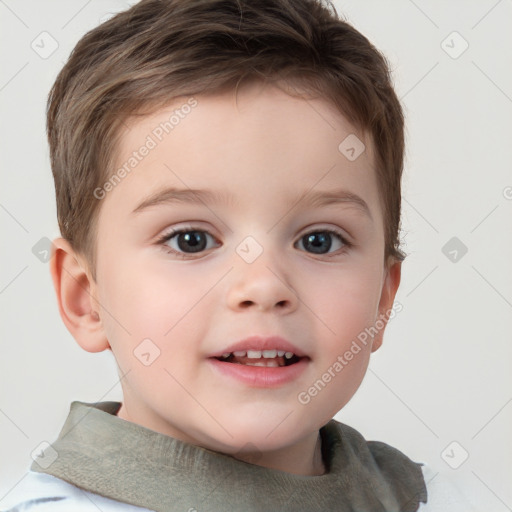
162	241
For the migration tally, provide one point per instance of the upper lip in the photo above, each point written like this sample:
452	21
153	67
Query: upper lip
261	343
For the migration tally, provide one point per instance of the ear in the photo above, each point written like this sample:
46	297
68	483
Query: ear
76	298
392	277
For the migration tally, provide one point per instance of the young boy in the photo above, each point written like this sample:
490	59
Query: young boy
227	176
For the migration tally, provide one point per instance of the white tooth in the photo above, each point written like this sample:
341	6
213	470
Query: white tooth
226	355
288	355
254	354
269	353
272	363
280	353
239	353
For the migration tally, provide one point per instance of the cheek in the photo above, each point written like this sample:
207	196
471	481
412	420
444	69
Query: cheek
347	305
141	297
148	301
345	302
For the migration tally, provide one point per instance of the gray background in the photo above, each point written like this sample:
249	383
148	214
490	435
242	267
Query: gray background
440	387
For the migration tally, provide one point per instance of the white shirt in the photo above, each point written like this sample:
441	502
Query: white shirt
40	492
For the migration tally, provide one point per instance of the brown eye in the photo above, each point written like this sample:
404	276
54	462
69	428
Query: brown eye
191	241
188	241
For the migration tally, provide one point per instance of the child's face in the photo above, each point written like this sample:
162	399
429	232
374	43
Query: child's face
254	272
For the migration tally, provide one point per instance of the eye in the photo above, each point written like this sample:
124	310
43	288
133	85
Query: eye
321	241
186	241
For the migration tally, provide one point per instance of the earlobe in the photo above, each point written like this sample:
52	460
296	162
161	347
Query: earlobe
75	297
389	289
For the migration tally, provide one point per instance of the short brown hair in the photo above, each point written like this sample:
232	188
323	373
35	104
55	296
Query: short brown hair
142	58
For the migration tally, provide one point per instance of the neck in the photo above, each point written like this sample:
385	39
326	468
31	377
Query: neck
303	458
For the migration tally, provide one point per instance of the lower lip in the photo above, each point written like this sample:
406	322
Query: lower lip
261	376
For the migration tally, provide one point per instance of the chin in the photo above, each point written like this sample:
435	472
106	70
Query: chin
258	432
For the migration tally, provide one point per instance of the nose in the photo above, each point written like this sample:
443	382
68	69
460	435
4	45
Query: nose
261	286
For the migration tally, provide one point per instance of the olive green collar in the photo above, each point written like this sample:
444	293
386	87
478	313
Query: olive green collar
118	459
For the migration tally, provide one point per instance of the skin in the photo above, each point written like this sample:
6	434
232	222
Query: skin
265	148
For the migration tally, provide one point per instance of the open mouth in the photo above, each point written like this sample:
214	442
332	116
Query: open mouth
267	358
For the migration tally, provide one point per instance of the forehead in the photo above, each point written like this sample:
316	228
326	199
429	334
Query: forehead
256	143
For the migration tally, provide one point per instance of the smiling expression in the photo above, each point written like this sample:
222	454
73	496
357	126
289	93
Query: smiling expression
244	230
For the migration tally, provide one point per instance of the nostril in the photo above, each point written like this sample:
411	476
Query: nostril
250	303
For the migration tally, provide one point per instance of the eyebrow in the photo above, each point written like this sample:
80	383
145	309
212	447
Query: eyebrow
195	196
337	196
171	195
